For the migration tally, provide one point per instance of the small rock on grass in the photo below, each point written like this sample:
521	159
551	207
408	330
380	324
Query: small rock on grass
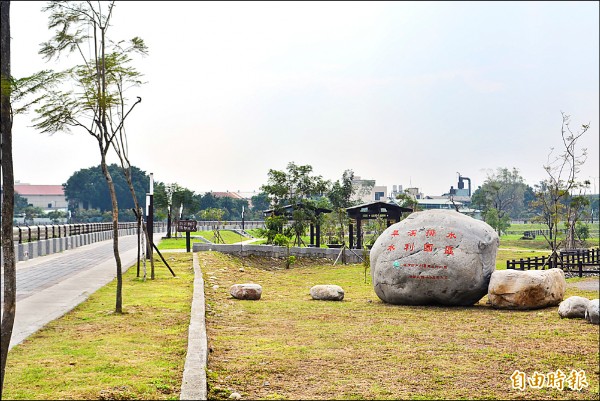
246	291
327	292
573	307
592	311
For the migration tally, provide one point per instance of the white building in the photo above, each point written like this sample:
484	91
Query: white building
366	191
47	197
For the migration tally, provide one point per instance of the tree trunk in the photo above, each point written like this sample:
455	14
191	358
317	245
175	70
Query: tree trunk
115	221
137	207
9	290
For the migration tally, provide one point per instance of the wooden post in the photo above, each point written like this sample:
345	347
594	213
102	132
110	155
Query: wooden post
187	241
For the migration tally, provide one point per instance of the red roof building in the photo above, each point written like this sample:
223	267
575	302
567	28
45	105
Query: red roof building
47	197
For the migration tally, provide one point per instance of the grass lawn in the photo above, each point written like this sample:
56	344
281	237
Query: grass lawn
288	346
179	243
91	353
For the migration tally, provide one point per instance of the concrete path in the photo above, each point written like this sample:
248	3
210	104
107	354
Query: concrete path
248	241
588	284
52	285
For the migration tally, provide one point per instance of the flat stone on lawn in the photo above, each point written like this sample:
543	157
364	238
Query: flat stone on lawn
327	292
526	289
246	291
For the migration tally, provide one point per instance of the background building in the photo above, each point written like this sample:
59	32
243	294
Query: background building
47	197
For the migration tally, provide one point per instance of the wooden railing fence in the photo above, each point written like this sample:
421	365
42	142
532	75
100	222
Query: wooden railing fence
578	261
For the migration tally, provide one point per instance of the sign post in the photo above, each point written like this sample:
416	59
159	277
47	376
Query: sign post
187	226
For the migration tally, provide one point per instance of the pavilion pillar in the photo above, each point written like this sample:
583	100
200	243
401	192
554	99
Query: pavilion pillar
358	232
318	233
351	235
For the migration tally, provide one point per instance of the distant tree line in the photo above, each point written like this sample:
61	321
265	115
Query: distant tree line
89	199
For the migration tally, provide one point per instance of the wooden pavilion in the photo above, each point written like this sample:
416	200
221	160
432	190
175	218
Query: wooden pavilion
368	211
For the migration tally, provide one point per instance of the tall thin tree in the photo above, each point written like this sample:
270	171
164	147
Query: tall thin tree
553	195
9	288
81	28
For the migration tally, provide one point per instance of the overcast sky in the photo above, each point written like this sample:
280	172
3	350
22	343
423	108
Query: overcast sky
406	93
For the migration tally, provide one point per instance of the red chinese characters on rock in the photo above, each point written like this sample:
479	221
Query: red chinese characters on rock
428	246
430	234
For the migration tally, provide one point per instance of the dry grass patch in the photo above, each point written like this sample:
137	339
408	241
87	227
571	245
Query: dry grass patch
288	346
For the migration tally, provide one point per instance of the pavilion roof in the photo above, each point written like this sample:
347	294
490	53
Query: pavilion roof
372	209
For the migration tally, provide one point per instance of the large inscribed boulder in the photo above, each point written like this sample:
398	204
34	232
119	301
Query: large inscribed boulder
434	257
526	289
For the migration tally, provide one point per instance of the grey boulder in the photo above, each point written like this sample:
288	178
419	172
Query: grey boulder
573	307
592	311
434	257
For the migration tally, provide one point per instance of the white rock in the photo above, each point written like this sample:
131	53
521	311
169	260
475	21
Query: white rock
434	257
573	307
592	311
235	396
327	292
246	291
526	289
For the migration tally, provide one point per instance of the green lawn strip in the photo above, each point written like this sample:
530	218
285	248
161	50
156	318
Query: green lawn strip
505	254
91	353
288	346
229	237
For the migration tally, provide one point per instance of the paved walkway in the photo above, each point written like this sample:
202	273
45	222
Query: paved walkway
50	286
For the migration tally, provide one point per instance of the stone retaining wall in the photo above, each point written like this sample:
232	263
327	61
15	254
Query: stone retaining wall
352	256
